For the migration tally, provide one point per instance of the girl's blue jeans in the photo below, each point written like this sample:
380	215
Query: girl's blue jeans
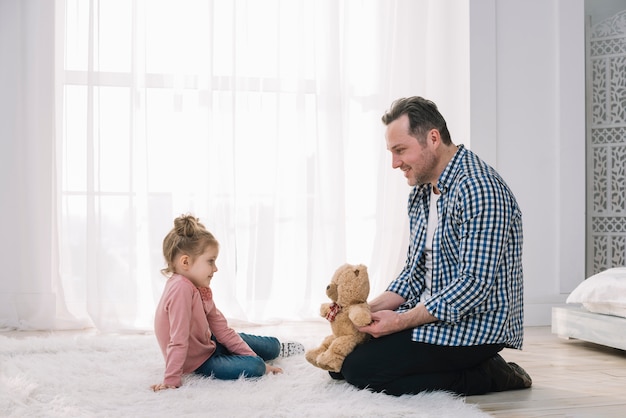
227	366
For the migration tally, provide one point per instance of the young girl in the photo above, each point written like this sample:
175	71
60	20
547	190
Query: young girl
193	334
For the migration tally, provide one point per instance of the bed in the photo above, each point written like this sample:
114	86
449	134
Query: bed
595	310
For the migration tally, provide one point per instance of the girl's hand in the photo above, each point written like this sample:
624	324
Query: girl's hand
272	369
161	386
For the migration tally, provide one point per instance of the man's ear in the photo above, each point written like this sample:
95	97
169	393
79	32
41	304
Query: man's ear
434	137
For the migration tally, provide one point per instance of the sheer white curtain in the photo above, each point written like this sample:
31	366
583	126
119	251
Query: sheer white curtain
30	293
262	118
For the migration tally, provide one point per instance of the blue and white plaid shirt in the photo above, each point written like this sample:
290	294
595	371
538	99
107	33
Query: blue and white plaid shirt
477	278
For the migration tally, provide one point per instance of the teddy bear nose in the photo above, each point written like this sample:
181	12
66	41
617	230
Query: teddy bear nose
327	287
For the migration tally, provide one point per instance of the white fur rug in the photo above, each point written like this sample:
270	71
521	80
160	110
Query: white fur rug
110	375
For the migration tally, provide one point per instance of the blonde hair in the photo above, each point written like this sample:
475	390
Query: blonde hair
188	237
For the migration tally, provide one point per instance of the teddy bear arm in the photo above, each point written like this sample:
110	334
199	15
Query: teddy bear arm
360	314
324	309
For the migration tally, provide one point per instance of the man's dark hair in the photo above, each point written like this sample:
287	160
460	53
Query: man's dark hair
423	116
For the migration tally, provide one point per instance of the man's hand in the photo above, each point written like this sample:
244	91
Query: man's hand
383	323
387	322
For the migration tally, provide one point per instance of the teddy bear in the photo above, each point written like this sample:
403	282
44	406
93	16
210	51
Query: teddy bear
348	290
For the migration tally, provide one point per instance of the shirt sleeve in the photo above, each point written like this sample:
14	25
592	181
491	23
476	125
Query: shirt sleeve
409	285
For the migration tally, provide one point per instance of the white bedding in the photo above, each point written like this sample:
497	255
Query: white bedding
603	293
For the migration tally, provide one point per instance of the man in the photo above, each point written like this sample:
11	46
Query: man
459	298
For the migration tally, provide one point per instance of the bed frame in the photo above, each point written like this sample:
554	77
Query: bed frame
577	322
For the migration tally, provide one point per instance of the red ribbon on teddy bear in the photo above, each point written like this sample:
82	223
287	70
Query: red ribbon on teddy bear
333	311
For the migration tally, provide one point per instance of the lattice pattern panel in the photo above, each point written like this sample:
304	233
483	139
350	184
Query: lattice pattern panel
606	148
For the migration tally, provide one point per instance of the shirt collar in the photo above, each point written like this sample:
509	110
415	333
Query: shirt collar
449	173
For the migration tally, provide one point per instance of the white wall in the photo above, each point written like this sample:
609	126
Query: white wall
527	81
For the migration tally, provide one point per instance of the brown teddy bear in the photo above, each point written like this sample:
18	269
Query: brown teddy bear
348	290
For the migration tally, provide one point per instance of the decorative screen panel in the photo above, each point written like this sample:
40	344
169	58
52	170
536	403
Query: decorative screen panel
606	145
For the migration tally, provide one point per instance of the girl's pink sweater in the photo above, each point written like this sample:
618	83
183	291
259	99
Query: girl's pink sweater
183	326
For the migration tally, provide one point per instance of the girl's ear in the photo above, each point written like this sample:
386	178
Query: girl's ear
184	261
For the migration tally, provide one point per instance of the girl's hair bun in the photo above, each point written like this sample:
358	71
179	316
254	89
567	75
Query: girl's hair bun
187	226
